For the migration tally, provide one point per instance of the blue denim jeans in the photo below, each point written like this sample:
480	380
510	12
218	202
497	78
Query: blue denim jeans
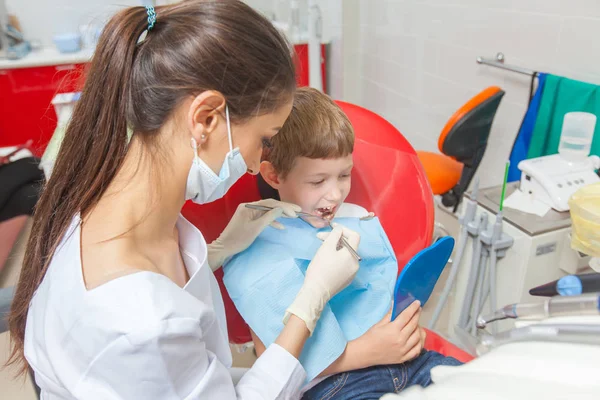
374	382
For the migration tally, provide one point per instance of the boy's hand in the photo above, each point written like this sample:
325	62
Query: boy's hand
387	342
395	342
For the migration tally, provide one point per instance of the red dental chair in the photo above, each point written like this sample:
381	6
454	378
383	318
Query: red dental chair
387	179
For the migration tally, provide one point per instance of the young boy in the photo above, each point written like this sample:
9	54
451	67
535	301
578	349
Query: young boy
309	163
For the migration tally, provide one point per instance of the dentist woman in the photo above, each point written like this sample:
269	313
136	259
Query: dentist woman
117	297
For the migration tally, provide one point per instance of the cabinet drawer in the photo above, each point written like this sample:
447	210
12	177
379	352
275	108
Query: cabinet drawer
25	96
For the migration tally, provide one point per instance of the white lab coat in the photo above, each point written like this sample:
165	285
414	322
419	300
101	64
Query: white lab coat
141	336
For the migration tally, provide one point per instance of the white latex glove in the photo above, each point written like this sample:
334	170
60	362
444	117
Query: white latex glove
330	271
368	217
245	226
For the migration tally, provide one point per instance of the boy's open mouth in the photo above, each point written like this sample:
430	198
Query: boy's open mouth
326	212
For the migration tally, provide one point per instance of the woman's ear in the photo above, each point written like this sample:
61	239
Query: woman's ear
270	175
203	114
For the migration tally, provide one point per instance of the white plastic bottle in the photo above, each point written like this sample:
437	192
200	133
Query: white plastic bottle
576	136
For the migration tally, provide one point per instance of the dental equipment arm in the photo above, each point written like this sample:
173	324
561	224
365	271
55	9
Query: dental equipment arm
587	304
569	285
585	334
465	220
477	226
495	243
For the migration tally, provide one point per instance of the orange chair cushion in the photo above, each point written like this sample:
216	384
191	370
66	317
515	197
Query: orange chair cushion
457	117
442	171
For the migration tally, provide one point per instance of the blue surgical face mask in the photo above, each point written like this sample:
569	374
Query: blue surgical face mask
203	185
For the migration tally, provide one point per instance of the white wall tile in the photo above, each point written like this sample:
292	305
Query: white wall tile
585	56
431	57
444	96
579	8
552	7
459	64
42	19
417	64
402	49
528	37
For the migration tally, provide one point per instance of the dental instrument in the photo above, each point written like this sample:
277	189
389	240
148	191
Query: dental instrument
553	179
541	252
470	206
419	276
495	244
586	304
569	285
490	244
579	333
307	215
474	229
477	302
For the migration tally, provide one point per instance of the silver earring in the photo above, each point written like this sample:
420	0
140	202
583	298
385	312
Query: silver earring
203	137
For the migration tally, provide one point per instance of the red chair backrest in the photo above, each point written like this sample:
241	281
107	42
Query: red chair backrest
388	179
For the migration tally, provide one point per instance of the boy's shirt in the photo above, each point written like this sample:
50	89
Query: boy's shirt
265	279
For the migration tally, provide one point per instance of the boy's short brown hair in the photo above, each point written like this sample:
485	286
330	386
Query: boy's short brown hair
316	128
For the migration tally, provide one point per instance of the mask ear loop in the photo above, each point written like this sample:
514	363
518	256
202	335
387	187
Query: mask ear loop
229	130
194	145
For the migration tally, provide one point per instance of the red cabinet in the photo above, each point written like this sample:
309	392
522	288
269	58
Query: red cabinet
25	96
302	65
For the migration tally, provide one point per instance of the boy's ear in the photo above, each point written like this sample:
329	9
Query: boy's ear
267	171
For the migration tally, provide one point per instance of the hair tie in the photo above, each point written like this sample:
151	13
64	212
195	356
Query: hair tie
151	17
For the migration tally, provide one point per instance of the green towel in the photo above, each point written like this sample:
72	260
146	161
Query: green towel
561	96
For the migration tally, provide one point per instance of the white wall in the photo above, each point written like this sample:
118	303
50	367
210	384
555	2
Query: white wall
332	33
41	19
414	60
331	12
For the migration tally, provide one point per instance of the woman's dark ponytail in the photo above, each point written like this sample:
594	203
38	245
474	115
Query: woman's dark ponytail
193	46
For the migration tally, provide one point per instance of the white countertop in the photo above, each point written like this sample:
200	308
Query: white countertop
51	56
47	56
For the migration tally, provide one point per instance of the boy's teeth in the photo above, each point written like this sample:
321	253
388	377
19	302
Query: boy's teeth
325	212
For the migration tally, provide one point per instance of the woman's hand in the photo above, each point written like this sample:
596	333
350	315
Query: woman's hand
330	271
398	341
245	226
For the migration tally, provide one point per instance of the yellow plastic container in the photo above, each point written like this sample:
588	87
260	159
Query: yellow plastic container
585	216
